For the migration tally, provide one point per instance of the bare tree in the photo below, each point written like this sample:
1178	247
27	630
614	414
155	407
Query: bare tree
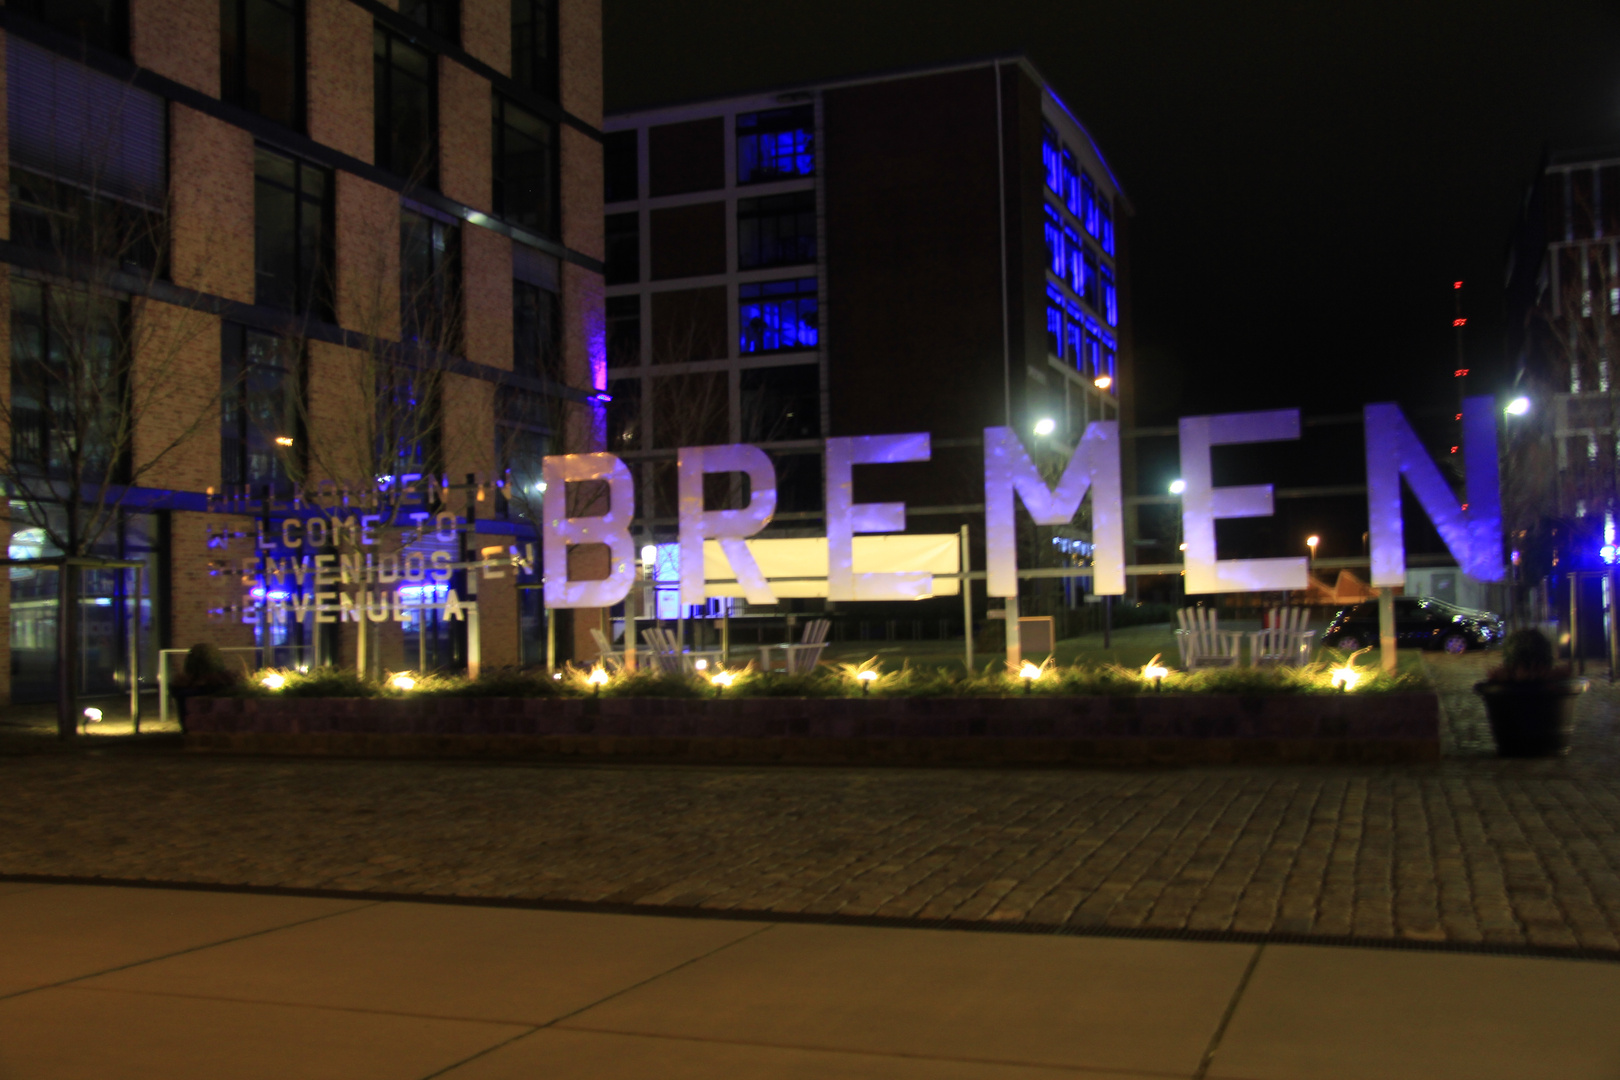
104	389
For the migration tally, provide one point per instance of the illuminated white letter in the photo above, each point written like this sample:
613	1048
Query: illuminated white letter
1474	535
1202	503
1094	467
727	526
846	517
611	528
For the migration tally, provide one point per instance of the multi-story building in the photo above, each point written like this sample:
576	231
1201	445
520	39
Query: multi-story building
280	272
936	250
1563	293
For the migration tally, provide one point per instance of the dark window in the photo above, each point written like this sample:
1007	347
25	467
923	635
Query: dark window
430	281
522	447
525	168
686	157
405	115
624	331
687	241
1052	160
536	332
261	438
620	166
777	315
624	415
103	24
1110	298
442	17
408	401
534	45
67	381
89	172
292	234
779	144
261	63
689	324
799	487
622	240
777	230
1582	202
781	403
691	410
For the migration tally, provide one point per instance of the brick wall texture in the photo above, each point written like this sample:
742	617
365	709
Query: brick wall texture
178	39
175	381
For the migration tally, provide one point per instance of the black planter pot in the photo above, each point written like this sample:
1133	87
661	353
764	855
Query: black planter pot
1531	718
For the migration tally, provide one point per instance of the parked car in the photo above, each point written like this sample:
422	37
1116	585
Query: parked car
1420	622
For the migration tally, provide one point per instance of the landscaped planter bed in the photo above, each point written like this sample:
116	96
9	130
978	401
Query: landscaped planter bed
1157	728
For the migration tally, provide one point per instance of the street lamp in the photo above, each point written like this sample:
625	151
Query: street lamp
1517	407
1177	486
1311	542
1045	426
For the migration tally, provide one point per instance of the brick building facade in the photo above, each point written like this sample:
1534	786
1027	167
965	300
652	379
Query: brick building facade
368	281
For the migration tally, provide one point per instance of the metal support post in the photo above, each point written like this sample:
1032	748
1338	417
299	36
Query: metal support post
1386	628
967	603
1575	623
1015	646
135	655
551	637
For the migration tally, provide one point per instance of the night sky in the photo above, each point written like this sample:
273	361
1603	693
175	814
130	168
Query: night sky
1308	179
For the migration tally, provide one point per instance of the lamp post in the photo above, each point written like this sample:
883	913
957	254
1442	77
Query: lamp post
1177	487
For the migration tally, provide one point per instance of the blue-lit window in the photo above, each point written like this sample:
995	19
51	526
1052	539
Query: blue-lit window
1077	265
777	315
1052	160
1092	294
1110	298
1054	326
1105	214
1073	343
1071	182
1087	213
1054	241
1091	355
779	144
1108	362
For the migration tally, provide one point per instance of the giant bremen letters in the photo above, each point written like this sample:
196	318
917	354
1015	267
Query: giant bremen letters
1472	530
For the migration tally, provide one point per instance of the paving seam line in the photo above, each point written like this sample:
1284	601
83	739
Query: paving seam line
370	902
588	907
1226	1017
554	1021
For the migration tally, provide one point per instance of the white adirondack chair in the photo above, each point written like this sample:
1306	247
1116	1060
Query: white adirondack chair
666	651
803	657
1285	639
1203	643
612	659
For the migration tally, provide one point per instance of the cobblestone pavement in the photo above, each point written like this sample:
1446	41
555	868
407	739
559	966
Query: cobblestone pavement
1474	849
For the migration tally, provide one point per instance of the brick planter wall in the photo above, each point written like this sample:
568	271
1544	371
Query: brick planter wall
1141	729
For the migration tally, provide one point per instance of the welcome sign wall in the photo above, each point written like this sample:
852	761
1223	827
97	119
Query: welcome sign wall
1472	530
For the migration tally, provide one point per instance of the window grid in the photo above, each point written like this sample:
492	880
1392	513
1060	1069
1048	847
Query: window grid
405	108
262	58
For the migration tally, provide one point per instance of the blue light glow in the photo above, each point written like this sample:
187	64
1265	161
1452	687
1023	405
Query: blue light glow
776	145
777	315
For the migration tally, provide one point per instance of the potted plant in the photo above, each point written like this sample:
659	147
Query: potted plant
204	672
1530	698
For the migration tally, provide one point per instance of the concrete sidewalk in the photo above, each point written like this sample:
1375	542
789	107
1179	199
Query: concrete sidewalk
103	982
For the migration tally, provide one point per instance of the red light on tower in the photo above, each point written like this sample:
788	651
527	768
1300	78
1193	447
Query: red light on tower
1459	322
1456	284
1460	372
